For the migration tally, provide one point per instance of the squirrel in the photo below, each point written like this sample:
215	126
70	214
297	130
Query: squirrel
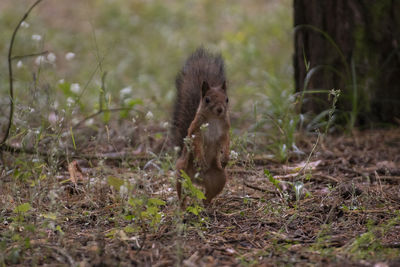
201	117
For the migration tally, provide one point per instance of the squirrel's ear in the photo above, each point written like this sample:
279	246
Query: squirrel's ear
204	88
224	86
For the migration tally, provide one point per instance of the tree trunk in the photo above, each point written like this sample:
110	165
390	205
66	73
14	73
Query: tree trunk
352	45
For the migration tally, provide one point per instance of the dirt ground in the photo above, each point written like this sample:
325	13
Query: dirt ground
340	206
343	210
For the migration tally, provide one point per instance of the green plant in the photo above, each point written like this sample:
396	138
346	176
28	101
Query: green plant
144	212
195	194
351	91
277	123
20	212
368	244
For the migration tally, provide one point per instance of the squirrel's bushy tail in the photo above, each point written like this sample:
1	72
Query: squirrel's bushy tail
200	66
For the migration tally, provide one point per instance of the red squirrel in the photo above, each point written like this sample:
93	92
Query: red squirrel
201	117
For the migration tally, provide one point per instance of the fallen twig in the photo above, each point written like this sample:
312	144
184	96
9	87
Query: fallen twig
64	253
98	113
326	177
354	171
393	178
241	171
260	189
30	55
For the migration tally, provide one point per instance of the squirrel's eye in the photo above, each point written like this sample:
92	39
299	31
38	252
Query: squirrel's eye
207	99
227	100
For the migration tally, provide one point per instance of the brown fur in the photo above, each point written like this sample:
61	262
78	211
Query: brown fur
200	66
202	99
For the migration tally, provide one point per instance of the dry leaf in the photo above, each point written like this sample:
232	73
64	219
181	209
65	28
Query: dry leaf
191	262
75	172
302	165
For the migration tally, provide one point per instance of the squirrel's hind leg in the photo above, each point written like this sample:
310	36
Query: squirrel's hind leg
214	182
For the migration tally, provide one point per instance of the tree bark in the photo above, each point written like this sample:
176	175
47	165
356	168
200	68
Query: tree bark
352	45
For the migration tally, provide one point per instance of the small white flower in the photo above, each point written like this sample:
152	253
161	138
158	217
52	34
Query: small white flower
301	118
52	118
125	91
36	37
89	122
296	150
19	64
51	57
234	155
193	136
149	115
284	148
165	124
177	149
75	88
53	195
24	24
127	101
61	81
39	60
70	101
204	126
69	56
123	190
133	120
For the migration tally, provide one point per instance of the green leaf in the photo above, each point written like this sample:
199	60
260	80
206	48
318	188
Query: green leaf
135	202
129	229
199	194
16	237
50	216
129	217
158	136
129	104
156	202
27	242
22	208
151	210
274	181
73	138
133	102
111	234
193	191
106	116
65	88
58	228
115	182
193	210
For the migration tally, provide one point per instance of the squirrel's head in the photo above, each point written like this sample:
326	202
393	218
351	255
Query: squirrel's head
214	100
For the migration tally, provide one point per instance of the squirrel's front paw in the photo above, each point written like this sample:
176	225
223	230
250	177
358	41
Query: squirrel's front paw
224	162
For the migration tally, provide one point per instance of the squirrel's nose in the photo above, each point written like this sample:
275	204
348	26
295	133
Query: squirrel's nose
219	110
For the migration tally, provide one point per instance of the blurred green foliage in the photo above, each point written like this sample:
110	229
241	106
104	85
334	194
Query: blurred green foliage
142	45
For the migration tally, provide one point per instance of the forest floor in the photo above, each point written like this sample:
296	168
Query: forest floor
341	208
104	195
